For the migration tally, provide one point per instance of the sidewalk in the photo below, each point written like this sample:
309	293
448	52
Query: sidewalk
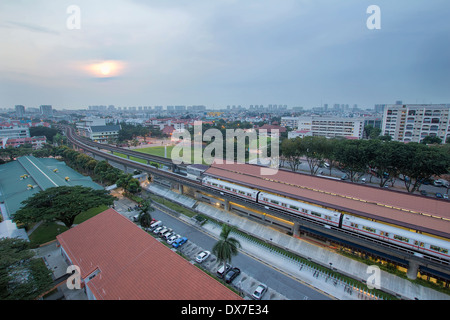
389	283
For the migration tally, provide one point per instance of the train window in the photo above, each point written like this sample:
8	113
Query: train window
385	234
401	238
316	214
227	188
355	225
284	204
328	217
242	192
438	249
418	243
294	207
275	202
265	199
304	210
214	184
249	194
369	229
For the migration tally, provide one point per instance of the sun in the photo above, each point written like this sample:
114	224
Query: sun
105	69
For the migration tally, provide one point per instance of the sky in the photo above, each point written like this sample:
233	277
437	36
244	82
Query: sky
222	52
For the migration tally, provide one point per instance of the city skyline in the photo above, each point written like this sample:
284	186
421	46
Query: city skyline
295	53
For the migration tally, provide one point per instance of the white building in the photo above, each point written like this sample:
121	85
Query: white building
413	122
329	127
104	133
14	132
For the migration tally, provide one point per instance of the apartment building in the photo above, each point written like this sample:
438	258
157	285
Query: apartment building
413	122
330	127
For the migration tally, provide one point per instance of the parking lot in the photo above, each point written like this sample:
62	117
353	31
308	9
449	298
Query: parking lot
243	283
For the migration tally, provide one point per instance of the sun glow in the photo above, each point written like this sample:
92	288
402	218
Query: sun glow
106	69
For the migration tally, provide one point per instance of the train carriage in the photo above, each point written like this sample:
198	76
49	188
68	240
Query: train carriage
328	217
400	237
230	188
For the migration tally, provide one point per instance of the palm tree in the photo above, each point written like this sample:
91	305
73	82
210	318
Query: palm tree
144	218
226	247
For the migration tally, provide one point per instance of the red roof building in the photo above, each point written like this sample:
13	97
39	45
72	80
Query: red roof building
120	261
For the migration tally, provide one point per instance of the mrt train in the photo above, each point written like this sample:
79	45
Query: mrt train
418	243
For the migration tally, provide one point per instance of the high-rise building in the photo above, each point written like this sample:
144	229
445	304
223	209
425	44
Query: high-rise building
20	111
46	110
413	122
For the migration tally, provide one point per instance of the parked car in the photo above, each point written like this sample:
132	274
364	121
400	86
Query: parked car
172	238
158	229
259	291
445	196
180	241
167	235
344	177
223	270
202	256
439	195
163	230
423	192
163	233
155	224
232	274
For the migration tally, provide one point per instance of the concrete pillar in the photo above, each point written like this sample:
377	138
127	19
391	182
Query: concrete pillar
226	205
296	231
128	157
412	270
180	188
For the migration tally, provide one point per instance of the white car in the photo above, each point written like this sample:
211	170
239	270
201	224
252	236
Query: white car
157	230
259	291
173	238
202	256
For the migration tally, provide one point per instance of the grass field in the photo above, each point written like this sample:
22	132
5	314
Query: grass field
156	151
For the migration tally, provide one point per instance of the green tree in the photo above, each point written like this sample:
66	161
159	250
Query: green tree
291	150
226	247
352	157
431	140
61	204
420	162
145	217
314	148
22	277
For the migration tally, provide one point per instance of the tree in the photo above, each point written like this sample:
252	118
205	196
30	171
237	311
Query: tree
22	277
419	162
226	247
61	204
292	152
431	140
144	217
352	157
314	148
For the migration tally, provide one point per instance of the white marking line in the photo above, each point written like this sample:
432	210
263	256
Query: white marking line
56	185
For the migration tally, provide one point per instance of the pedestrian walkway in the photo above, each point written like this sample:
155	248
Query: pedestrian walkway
395	285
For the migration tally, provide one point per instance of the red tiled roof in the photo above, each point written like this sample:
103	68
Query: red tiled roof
133	265
400	208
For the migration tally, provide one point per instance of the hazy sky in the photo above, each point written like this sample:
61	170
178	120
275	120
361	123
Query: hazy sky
223	52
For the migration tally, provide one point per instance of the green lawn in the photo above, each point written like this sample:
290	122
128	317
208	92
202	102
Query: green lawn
155	151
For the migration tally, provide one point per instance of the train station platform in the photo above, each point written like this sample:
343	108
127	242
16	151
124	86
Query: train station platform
395	285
